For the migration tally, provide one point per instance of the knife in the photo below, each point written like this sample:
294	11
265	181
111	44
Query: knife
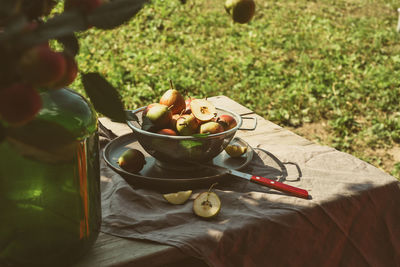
295	191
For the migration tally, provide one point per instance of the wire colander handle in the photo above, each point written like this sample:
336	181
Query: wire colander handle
250	128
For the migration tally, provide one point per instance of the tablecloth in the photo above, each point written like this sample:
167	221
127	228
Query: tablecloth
352	219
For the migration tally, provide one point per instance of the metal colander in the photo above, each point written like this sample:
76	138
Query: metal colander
181	149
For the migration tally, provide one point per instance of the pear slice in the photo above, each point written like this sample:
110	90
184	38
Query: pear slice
235	151
178	197
202	109
207	205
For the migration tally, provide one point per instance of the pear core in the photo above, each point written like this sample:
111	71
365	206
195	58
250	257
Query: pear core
203	109
207	205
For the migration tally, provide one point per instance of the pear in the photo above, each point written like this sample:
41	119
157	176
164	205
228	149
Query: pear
211	127
207	205
235	151
188	110
187	124
241	11
178	198
172	98
227	121
174	119
159	115
132	160
147	109
203	109
167	131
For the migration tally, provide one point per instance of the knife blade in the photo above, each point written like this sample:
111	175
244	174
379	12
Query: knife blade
295	191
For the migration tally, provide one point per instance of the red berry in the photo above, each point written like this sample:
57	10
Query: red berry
41	66
19	103
70	73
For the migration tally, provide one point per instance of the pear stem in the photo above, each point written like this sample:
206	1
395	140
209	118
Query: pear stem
209	190
171	84
214	184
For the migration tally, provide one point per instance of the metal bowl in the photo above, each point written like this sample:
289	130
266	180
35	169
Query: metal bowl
176	151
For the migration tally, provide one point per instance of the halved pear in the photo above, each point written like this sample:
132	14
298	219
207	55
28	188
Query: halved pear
235	150
178	197
207	205
202	109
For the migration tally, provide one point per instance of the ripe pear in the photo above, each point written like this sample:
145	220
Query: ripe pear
172	98
159	115
188	110
187	124
211	127
132	160
241	11
167	131
172	123
227	121
146	109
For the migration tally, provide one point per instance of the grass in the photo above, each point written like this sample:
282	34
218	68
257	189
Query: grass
296	63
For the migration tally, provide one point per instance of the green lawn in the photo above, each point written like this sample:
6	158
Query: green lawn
296	63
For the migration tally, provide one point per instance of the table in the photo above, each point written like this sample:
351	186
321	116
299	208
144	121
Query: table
114	251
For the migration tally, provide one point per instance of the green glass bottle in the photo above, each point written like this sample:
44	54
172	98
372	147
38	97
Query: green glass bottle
50	210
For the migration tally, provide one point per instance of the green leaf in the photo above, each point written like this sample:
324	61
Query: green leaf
70	43
115	13
130	116
14	27
2	133
54	28
7	8
107	16
203	135
104	97
190	144
148	125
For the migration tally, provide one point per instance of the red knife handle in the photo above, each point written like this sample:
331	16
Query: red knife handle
280	186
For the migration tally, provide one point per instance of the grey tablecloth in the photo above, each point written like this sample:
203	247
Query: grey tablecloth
353	218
